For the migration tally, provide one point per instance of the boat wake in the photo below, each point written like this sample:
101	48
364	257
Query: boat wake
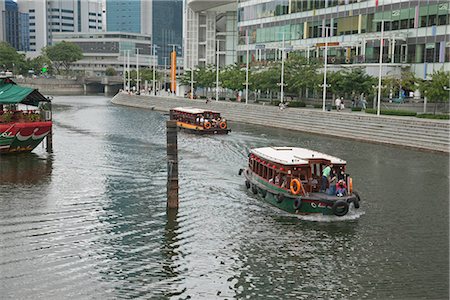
351	215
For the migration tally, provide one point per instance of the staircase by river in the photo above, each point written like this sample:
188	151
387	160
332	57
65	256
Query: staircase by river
433	135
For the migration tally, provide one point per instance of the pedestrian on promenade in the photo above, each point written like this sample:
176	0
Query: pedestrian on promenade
337	103
342	104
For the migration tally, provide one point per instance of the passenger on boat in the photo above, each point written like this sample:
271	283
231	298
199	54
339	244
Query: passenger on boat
325	175
284	182
341	188
333	181
277	179
341	174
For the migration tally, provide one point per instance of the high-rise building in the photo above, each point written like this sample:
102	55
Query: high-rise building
167	26
48	17
13	25
210	28
162	19
129	16
416	33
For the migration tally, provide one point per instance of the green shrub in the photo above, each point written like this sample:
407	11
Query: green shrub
317	105
6	117
275	102
431	116
232	99
356	108
296	104
392	112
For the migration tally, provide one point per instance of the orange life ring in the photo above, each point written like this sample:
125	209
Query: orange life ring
350	185
222	125
207	125
296	186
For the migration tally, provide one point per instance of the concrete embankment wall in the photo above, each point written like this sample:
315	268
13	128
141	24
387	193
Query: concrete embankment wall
53	86
433	135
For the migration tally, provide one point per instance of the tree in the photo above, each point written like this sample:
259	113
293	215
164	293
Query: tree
37	63
352	82
300	73
110	71
266	80
233	77
63	55
206	76
435	89
10	59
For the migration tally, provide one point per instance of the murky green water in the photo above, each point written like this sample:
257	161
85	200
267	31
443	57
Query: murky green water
89	221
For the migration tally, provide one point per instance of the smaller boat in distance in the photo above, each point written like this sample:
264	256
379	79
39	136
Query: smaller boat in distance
291	179
199	120
22	128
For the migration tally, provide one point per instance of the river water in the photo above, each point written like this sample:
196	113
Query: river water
90	221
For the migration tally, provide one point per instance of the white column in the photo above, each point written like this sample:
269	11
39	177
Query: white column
137	71
217	70
325	70
381	63
282	71
246	69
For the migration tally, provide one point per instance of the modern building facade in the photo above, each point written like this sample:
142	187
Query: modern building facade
416	33
49	17
129	16
102	50
14	27
210	28
167	27
160	18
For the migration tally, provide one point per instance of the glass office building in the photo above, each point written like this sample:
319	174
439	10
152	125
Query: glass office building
416	32
167	28
123	15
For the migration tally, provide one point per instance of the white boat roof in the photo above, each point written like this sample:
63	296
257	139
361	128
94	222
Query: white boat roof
293	156
192	110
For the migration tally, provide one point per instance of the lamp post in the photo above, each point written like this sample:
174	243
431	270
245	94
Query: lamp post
282	70
124	69
325	69
381	64
128	67
154	69
217	70
165	71
246	68
137	71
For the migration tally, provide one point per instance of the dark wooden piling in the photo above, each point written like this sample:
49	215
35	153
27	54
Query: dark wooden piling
48	117
172	164
49	141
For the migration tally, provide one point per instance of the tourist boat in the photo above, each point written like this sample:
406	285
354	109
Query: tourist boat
22	128
290	179
199	120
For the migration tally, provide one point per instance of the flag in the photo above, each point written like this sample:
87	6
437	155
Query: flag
416	17
376	3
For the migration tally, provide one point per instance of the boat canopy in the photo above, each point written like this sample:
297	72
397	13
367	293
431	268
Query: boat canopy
11	93
194	111
290	156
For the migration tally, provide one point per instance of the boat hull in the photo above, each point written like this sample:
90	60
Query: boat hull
313	203
22	137
200	130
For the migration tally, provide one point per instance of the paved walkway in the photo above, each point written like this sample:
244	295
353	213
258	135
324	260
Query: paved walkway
433	135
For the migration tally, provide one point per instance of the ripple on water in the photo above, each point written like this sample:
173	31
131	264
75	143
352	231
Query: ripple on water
94	224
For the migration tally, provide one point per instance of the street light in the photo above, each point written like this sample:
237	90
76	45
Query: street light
325	69
154	46
246	69
217	70
137	71
381	65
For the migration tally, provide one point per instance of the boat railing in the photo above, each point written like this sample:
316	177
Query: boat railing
24	116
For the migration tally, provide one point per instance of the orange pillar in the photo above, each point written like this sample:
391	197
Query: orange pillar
173	72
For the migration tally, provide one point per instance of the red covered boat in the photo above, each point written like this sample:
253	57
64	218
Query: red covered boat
22	128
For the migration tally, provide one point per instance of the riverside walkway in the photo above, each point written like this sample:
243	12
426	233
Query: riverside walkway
432	135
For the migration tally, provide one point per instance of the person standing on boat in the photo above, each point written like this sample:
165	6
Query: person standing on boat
333	181
325	175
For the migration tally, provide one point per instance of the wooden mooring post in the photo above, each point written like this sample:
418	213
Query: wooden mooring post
172	164
48	117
